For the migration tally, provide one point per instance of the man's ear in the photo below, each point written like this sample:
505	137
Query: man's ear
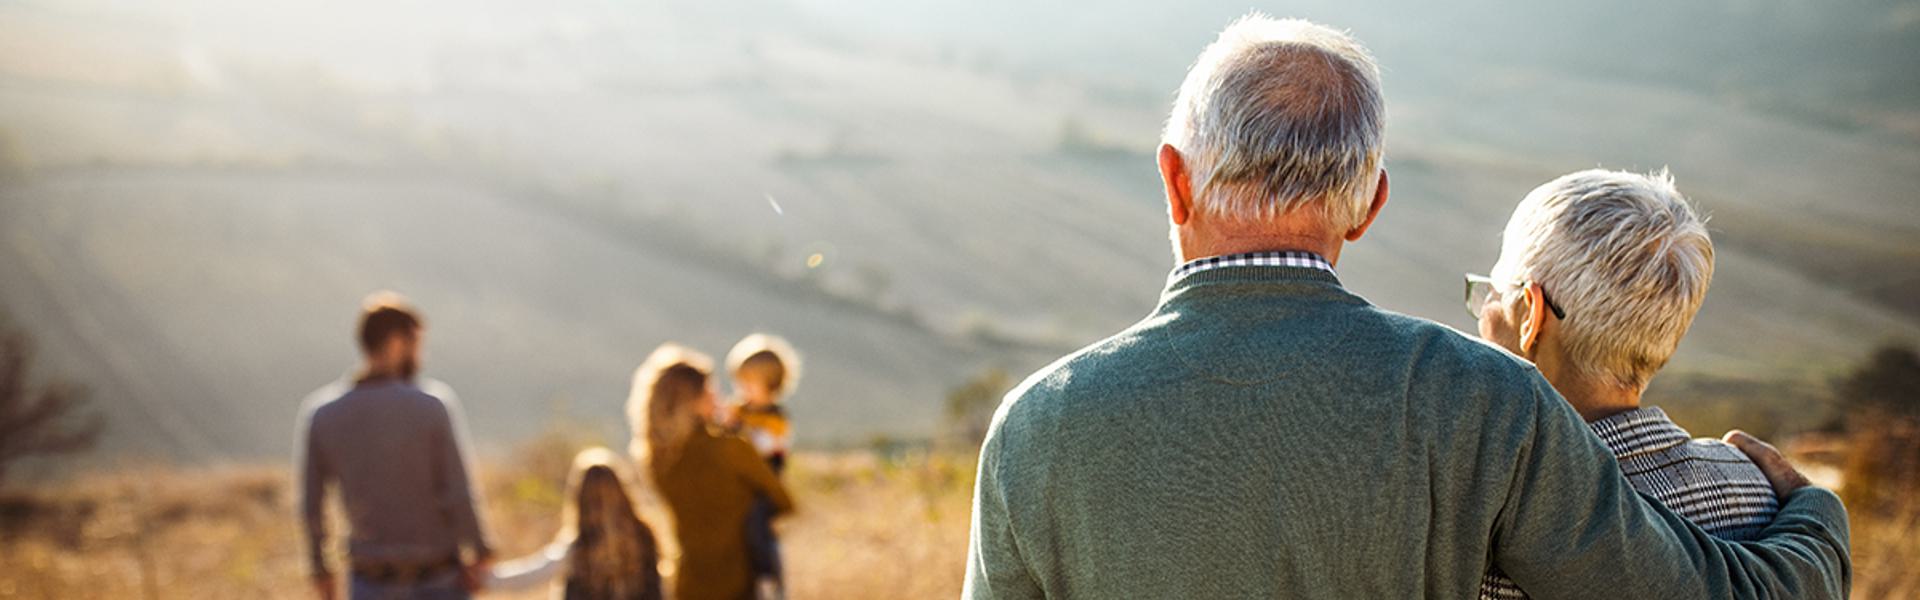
1373	210
1179	187
1536	316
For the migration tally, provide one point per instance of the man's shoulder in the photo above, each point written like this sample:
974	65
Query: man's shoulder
1120	352
325	395
431	397
436	389
422	396
1437	350
1433	354
1133	364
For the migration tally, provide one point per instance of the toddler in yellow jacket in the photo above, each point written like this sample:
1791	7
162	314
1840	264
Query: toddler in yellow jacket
765	369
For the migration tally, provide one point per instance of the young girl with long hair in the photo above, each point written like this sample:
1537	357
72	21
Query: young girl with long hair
604	551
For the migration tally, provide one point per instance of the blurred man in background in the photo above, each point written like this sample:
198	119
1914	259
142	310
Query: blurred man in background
393	449
1267	433
1628	262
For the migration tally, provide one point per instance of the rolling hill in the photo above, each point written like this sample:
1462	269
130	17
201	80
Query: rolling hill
196	195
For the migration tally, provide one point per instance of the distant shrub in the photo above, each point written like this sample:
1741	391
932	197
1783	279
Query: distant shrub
1888	385
970	407
1881	403
39	422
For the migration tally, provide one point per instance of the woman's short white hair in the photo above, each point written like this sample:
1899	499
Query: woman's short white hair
1624	255
1279	113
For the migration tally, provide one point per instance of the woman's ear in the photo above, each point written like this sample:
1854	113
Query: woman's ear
1534	316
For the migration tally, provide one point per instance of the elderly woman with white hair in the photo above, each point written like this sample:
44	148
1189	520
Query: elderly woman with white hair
1600	274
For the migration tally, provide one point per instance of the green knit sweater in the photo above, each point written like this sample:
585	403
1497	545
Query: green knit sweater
1266	433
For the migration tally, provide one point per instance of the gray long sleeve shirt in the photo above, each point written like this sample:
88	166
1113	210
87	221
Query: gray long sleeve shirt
394	452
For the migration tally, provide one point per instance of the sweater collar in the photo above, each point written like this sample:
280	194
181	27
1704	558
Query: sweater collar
1182	283
1272	258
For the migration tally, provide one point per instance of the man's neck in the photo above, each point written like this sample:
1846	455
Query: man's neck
1222	245
377	372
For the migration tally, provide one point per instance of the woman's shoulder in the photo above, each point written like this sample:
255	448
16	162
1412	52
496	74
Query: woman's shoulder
716	442
733	444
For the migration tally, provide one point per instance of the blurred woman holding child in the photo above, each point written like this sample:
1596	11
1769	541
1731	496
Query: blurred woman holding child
716	468
709	480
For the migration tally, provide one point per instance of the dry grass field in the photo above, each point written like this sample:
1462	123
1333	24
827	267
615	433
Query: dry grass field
1886	552
872	525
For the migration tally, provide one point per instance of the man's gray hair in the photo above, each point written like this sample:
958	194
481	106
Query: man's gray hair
1624	255
1277	114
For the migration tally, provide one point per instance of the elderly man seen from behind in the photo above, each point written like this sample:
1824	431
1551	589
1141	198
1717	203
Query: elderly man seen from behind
1266	433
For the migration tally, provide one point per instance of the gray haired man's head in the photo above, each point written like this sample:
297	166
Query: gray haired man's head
1280	114
1624	255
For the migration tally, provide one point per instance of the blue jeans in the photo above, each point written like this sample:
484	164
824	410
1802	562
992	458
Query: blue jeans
443	587
763	549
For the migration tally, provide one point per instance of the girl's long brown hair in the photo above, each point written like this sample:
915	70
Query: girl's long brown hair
613	554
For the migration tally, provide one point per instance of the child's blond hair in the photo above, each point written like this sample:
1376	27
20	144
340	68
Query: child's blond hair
768	358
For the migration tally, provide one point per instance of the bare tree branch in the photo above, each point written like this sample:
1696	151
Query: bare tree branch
43	422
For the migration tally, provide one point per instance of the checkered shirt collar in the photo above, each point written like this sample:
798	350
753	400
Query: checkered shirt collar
1281	258
1639	431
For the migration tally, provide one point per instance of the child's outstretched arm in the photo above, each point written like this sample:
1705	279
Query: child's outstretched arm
529	571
